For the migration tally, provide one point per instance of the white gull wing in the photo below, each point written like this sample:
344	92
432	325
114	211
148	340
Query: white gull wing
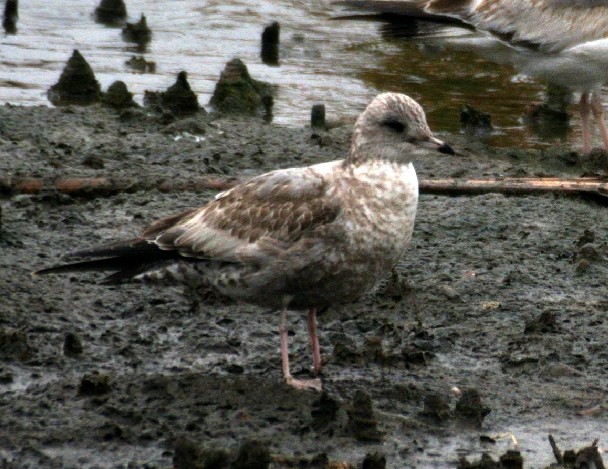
258	218
581	68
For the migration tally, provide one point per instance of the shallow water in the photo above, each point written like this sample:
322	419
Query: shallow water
339	63
193	36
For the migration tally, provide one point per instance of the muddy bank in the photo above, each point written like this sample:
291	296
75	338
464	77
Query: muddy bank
493	323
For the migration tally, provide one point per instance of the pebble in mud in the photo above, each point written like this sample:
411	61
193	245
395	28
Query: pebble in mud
138	33
319	461
595	160
470	409
586	252
362	423
256	455
94	384
237	93
588	457
587	237
6	377
118	96
475	122
437	408
111	12
139	64
551	118
252	455
345	350
190	125
9	21
545	323
72	345
317	117
510	460
321	139
394	288
178	99
324	413
270	44
188	455
77	84
374	461
14	345
93	161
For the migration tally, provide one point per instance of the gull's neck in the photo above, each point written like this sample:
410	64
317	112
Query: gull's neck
364	151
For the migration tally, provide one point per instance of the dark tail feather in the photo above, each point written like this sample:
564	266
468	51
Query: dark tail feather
126	259
133	248
402	18
100	265
400	8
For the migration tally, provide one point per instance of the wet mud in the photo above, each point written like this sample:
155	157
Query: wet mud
491	330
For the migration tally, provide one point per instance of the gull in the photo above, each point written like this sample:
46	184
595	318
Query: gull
297	238
564	42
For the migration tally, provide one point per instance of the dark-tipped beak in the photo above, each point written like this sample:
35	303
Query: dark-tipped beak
437	145
445	148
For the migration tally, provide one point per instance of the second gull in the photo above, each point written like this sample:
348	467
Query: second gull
561	41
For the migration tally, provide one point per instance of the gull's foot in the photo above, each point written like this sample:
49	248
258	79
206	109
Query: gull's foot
306	384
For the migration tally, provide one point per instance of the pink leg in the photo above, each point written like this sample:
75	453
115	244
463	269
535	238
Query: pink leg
314	340
296	383
284	352
598	113
585	109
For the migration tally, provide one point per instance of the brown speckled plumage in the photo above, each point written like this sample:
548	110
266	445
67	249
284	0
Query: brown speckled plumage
299	237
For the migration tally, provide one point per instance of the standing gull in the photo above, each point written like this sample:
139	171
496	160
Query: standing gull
298	238
561	41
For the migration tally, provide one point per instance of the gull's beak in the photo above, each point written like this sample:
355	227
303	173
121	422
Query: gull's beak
439	145
445	148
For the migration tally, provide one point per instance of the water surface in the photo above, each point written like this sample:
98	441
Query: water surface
339	63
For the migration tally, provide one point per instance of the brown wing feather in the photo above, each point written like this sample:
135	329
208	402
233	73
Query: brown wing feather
165	223
551	25
281	206
259	218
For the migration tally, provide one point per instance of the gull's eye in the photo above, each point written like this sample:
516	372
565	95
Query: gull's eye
394	124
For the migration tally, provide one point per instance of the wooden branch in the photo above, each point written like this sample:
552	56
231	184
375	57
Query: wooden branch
108	186
516	186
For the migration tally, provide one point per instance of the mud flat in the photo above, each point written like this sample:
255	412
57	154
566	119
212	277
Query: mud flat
492	328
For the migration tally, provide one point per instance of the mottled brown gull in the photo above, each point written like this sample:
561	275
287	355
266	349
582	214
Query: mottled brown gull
298	238
561	41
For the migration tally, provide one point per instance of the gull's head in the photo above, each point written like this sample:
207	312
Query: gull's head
391	127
